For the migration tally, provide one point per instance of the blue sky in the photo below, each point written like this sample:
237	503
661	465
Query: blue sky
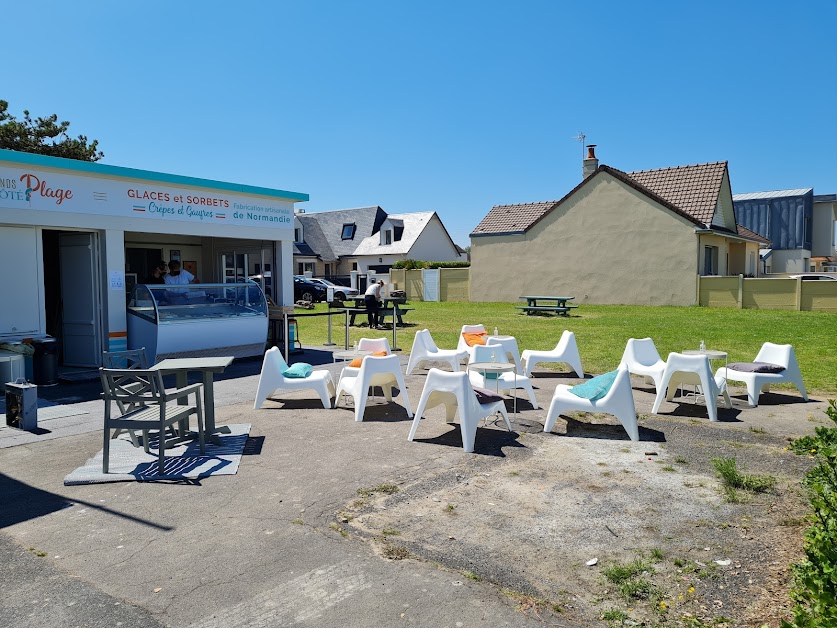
446	106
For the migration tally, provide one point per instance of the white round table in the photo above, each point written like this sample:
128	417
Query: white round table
349	355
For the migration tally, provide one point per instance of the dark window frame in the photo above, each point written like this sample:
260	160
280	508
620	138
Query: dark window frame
352	227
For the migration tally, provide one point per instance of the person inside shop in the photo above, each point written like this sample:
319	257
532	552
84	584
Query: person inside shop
158	274
372	298
178	277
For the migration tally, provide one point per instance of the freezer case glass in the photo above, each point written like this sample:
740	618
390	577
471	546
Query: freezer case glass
197	320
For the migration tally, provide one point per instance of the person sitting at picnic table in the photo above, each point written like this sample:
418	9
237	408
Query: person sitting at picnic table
372	298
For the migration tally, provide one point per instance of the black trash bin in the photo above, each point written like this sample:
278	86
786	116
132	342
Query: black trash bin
45	361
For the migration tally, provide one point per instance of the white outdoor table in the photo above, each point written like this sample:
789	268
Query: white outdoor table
180	367
349	355
498	367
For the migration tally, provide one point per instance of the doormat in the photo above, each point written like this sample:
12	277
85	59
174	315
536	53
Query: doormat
183	461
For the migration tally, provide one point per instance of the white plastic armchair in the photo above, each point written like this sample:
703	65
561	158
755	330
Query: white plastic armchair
271	380
642	358
468	329
375	345
695	370
565	351
504	381
619	401
757	383
383	371
509	344
454	391
425	350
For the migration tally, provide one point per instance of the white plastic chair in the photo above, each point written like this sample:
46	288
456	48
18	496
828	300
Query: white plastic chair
468	329
504	381
642	358
565	351
271	380
695	370
375	345
509	344
425	350
619	401
454	391
383	371
758	383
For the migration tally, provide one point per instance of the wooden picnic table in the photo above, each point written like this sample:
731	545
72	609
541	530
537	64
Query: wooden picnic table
556	305
390	308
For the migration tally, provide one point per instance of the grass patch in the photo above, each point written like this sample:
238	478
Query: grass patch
339	530
603	329
668	468
618	573
656	555
390	532
758	430
680	460
614	614
298	522
471	576
384	489
639	589
732	478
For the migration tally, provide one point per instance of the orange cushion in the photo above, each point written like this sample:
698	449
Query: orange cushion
475	338
357	362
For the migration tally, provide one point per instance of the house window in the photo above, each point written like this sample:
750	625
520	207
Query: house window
297	235
328	270
354	265
307	267
348	231
387	237
710	260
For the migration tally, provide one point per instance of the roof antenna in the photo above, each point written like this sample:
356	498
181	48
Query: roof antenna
581	138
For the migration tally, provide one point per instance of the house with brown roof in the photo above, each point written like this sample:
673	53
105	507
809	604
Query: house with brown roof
618	237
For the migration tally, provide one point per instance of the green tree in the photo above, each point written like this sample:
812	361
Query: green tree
45	136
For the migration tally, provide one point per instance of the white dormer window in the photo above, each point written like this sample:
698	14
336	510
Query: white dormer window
298	234
387	237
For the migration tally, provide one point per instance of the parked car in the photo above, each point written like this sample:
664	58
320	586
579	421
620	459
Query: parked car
341	293
814	277
306	290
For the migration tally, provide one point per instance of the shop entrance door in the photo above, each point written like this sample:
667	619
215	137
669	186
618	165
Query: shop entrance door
234	267
81	327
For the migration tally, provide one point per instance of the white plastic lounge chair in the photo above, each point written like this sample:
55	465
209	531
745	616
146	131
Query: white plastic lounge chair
468	329
509	344
271	380
565	351
695	370
454	391
757	383
504	381
383	371
375	345
425	350
641	358
618	401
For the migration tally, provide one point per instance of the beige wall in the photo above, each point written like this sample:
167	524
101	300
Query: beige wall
605	244
769	293
822	241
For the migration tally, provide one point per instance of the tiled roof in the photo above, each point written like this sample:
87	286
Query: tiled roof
513	218
690	191
752	235
694	189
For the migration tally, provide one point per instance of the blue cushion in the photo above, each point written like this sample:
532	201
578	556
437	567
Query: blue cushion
299	370
595	388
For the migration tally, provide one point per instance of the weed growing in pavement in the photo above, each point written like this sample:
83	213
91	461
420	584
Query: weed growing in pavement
656	555
390	532
396	552
668	468
618	573
733	479
450	508
359	503
471	576
339	530
386	489
527	603
758	430
298	522
680	460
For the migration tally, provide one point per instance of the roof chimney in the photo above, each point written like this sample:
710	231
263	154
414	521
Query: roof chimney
591	163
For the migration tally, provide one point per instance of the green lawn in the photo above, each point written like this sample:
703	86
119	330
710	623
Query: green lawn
602	330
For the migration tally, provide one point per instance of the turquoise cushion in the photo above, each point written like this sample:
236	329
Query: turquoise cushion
298	370
595	388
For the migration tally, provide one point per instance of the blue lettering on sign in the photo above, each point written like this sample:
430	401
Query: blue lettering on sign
13	195
162	210
200	214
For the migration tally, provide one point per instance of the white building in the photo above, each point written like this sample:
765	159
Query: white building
76	236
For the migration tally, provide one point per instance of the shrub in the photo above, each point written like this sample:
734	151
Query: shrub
814	589
414	264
